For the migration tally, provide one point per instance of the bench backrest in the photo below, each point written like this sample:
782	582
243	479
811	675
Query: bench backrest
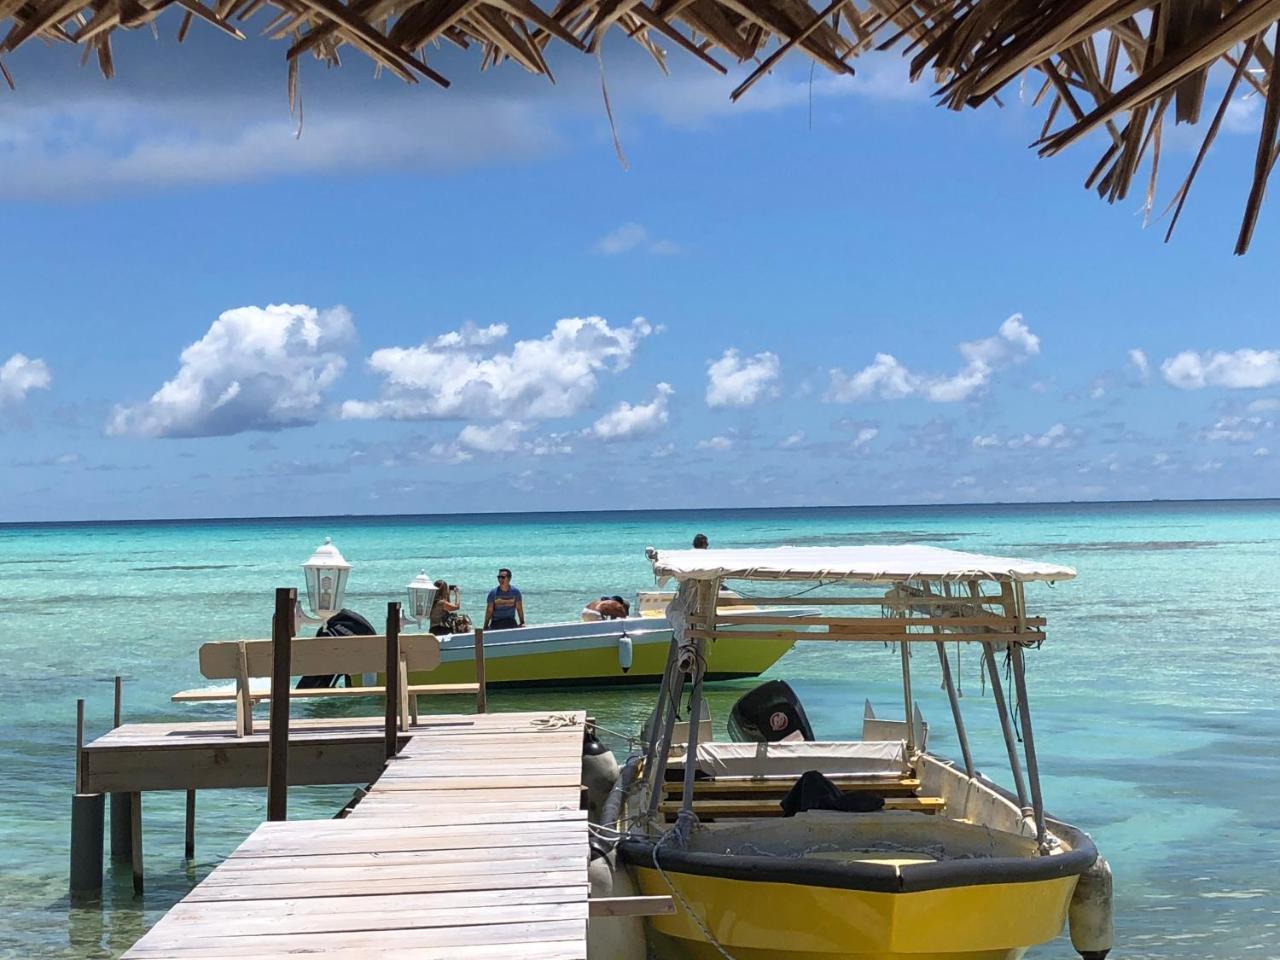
319	655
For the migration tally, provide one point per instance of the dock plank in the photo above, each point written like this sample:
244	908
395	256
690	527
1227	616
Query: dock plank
449	855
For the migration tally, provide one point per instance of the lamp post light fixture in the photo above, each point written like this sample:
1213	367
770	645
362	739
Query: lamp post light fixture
422	594
326	575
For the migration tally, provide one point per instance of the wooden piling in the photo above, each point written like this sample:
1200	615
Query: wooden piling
135	840
190	849
482	694
86	845
391	684
278	743
121	845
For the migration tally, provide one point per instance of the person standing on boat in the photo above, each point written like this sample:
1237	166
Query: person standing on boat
505	607
700	541
446	602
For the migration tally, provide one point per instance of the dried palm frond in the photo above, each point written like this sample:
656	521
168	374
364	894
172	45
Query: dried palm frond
1115	68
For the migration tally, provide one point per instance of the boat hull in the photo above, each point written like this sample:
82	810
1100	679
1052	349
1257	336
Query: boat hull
578	654
787	921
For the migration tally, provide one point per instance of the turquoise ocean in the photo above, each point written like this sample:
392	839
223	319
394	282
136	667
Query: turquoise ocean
1154	697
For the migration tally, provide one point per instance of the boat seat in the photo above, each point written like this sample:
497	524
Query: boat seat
852	758
779	786
711	809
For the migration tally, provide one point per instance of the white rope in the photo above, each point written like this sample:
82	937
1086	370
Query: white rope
555	721
679	830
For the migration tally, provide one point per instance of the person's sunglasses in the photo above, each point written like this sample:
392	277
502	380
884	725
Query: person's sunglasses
503	576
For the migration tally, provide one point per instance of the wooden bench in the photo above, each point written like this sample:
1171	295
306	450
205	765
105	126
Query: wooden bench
240	660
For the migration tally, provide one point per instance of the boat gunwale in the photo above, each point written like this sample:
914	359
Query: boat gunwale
876	878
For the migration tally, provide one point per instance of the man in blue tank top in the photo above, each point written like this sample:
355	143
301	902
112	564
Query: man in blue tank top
505	607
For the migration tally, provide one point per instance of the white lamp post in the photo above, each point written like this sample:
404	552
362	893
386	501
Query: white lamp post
326	575
422	594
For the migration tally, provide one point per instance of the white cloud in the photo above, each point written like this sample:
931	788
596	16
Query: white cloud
1057	437
1264	405
890	379
20	375
1244	369
469	335
733	381
793	441
257	368
1261	452
631	237
1138	360
865	436
885	376
553	376
718	443
627	421
1233	429
495	438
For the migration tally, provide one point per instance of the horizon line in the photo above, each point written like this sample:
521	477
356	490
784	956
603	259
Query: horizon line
631	510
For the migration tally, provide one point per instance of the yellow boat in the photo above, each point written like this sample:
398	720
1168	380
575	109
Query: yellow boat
599	652
783	847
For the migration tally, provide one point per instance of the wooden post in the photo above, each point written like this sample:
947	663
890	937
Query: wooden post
482	694
86	826
390	684
86	845
121	845
190	850
135	840
278	744
80	746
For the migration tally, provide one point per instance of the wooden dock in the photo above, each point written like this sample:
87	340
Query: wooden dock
470	844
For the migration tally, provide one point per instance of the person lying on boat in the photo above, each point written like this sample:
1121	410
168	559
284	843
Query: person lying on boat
606	608
505	606
445	618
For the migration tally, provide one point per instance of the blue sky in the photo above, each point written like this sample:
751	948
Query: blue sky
453	301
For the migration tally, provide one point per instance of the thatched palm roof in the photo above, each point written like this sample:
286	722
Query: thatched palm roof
1120	68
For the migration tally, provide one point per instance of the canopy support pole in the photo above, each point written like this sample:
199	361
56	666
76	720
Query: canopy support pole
908	713
651	749
956	715
658	776
1024	711
1010	743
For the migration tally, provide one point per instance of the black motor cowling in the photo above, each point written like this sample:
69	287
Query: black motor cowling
770	712
344	623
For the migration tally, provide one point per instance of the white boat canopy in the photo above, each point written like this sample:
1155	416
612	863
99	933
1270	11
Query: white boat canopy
862	564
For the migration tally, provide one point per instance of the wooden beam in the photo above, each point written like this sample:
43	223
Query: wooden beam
630	907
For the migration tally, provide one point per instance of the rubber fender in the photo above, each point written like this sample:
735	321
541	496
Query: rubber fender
599	774
613	938
1092	916
625	653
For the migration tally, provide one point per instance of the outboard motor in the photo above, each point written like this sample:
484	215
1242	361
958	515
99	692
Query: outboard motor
344	623
599	773
769	713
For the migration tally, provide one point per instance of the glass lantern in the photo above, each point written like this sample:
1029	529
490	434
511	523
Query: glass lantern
326	574
422	592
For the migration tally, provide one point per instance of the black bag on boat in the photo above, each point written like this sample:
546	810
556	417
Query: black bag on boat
344	623
813	791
